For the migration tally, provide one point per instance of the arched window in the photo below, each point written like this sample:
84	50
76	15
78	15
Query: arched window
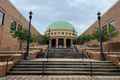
51	33
13	26
54	33
62	33
58	32
2	15
19	27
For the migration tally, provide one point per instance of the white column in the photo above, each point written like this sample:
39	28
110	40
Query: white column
65	43
50	43
71	43
56	42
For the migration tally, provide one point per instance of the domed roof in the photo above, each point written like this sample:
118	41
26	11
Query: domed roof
61	25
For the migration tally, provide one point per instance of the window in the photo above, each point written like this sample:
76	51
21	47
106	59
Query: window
54	33
2	18
63	33
111	26
104	28
13	26
19	27
51	33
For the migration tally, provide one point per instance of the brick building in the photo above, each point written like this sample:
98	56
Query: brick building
9	14
112	16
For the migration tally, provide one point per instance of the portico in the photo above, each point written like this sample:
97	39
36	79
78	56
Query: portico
61	43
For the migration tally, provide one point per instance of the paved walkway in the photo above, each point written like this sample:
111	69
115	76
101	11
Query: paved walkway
70	77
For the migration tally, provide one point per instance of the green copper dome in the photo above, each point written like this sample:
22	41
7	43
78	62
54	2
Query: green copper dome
61	25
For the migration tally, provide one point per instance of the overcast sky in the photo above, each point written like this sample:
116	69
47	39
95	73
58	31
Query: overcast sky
81	13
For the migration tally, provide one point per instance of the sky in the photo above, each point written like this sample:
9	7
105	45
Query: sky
81	13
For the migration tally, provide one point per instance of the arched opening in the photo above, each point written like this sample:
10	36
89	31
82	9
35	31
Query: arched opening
61	43
68	43
53	43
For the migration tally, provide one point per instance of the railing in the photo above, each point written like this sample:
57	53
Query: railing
44	62
91	69
81	53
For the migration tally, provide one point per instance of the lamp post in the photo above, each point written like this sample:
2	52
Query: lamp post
100	36
49	45
28	35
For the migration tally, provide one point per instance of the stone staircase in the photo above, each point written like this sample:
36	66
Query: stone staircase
65	67
64	53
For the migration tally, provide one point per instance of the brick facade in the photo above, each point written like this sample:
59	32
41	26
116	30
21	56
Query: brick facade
112	15
7	42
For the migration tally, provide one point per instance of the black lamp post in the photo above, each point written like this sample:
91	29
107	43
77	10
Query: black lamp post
49	39
29	35
100	36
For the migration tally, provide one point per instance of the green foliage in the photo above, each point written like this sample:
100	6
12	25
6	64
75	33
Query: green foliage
20	33
107	33
13	27
44	39
85	38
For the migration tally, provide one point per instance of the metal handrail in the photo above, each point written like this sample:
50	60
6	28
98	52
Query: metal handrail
86	54
80	52
44	62
91	70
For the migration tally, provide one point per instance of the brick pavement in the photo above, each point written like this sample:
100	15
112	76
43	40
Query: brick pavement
70	77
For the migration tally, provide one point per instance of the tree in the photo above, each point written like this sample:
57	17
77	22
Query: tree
20	33
43	39
107	33
84	38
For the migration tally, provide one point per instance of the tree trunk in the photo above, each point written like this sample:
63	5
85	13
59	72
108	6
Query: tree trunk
20	44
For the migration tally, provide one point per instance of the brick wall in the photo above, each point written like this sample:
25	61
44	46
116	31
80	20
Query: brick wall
111	15
7	42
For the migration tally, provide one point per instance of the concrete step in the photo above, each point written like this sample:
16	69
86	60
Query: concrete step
66	69
64	53
67	65
65	62
62	63
61	73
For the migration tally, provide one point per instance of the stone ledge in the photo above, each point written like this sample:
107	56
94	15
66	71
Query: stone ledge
15	59
114	58
4	63
10	55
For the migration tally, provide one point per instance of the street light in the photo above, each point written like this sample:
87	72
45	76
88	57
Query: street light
29	35
49	45
100	36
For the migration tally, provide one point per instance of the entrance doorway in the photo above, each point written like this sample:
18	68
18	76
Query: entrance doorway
68	43
60	43
53	43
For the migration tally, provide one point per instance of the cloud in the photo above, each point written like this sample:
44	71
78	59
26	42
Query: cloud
81	13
